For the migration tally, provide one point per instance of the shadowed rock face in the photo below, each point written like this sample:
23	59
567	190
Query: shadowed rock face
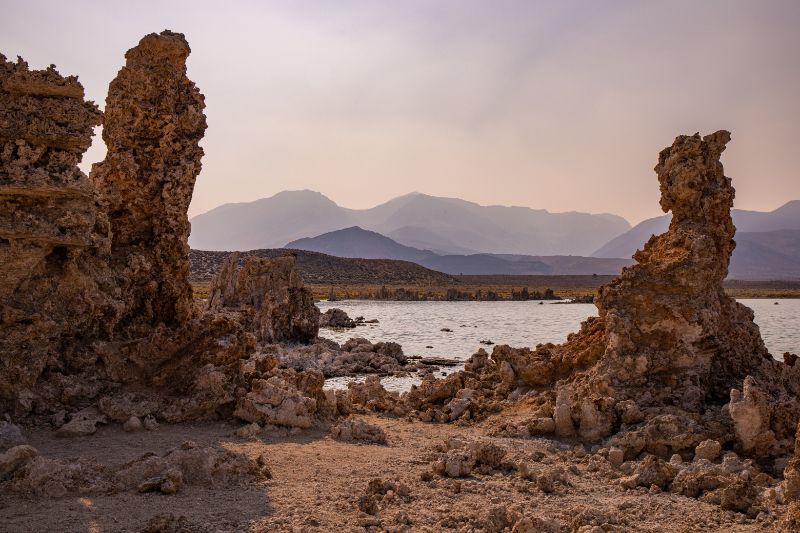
52	229
152	125
272	295
97	310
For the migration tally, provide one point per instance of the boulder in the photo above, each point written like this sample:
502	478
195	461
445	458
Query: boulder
335	318
356	429
271	295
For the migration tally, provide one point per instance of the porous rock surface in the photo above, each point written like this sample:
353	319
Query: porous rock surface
336	318
357	429
671	367
98	320
671	360
152	125
271	294
356	356
52	228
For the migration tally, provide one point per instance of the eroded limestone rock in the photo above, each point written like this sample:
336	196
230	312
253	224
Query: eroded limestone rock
671	360
356	429
152	125
271	294
52	228
356	356
96	307
336	318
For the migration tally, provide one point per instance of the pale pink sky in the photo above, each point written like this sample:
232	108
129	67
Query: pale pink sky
558	105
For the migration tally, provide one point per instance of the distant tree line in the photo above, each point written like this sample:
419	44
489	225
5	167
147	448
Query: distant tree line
451	295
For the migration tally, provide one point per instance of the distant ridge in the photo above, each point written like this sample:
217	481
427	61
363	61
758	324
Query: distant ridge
355	242
785	217
444	225
767	243
321	268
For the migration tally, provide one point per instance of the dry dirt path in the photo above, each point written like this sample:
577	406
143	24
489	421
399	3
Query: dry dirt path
317	483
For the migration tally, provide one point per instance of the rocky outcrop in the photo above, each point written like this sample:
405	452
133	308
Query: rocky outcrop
668	341
98	321
53	288
152	125
336	318
791	474
354	357
271	295
670	365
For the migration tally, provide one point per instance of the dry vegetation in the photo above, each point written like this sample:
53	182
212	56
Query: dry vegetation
564	286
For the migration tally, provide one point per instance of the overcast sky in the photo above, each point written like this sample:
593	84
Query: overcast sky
560	105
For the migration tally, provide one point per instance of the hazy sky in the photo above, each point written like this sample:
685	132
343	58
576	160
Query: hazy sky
559	105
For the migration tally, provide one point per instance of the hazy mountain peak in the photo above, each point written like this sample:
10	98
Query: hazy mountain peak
786	217
447	225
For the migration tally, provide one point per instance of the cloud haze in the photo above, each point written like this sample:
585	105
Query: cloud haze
557	105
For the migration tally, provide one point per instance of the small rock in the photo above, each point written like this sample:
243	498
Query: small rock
83	423
168	483
132	424
616	456
249	431
708	449
150	423
542	426
15	458
356	429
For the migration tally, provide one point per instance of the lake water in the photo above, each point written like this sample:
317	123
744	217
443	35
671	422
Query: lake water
417	325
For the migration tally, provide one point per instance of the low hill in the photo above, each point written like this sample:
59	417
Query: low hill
316	268
766	255
356	242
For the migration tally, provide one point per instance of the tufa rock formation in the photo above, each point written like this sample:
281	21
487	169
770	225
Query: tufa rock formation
669	348
53	229
271	294
98	321
670	361
152	125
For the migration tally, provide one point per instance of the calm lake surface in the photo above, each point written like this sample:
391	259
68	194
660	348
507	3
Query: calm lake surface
417	325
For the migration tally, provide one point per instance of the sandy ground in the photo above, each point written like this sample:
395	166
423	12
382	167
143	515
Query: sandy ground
317	483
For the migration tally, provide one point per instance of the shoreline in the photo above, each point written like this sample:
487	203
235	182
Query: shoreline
568	288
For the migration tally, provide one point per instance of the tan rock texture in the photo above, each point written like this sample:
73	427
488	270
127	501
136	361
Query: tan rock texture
52	230
152	125
668	341
271	294
97	311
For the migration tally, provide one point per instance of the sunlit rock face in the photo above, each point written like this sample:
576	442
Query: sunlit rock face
673	342
98	321
671	360
152	126
668	322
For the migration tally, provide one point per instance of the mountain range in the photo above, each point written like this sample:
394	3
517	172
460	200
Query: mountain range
786	217
442	225
459	237
767	243
358	242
